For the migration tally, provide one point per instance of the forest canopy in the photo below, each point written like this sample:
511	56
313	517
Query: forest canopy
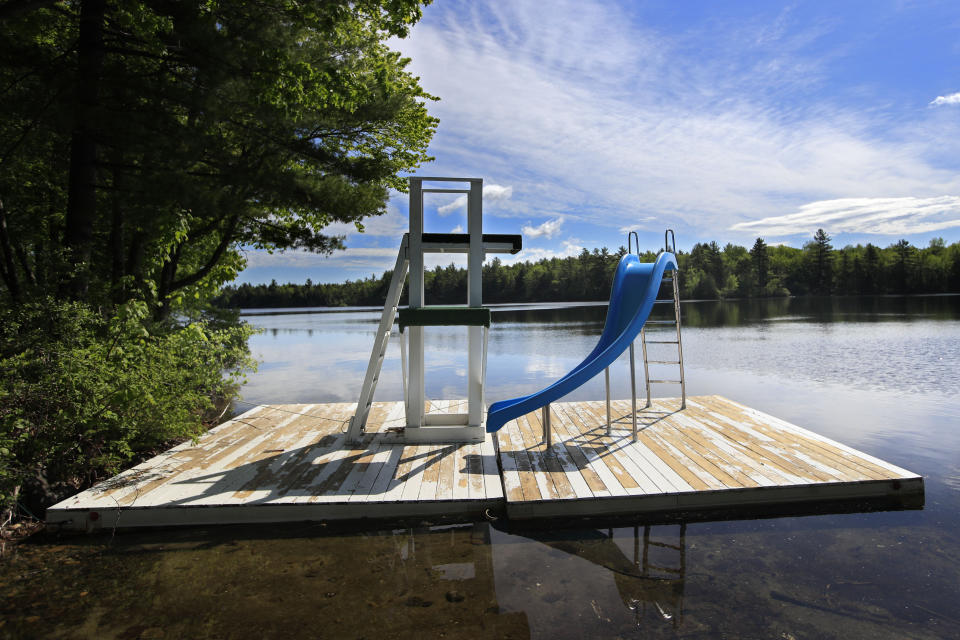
706	272
141	146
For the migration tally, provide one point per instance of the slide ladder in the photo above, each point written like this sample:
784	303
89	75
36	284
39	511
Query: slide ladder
674	299
635	288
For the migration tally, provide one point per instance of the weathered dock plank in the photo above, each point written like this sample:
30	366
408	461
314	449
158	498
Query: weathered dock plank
716	454
283	463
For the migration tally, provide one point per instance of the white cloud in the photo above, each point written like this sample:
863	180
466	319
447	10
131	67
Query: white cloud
372	258
570	247
592	115
887	216
639	223
953	98
548	229
457	229
447	209
491	193
393	223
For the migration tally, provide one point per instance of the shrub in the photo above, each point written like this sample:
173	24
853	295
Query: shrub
82	392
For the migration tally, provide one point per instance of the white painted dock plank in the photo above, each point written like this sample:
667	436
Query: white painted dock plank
488	465
648	480
289	462
589	450
714	454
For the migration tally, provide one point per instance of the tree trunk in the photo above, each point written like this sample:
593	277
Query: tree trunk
164	287
82	190
9	270
28	271
116	244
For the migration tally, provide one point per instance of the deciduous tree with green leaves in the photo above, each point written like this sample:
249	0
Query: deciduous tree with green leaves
144	145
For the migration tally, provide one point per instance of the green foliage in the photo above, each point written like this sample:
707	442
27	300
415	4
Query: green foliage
151	141
764	271
819	257
142	147
80	394
761	265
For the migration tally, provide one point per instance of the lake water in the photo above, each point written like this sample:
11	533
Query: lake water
879	374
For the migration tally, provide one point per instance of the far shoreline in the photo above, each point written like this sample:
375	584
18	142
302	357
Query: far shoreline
511	306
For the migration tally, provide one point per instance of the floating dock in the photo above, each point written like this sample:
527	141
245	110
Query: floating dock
714	455
285	463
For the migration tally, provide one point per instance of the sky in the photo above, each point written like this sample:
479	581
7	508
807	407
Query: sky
723	121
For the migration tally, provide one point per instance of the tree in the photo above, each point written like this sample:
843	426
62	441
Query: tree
904	266
761	263
708	258
873	280
821	259
142	146
187	130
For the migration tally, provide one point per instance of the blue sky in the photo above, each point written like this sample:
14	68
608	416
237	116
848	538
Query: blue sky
721	120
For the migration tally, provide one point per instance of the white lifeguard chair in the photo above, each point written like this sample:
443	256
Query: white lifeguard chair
435	427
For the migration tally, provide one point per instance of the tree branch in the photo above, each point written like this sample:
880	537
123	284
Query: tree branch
225	241
13	7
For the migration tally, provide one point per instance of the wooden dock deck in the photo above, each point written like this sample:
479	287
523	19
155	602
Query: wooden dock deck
715	454
288	463
284	463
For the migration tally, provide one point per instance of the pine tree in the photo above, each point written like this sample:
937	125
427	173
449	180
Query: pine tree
821	258
761	264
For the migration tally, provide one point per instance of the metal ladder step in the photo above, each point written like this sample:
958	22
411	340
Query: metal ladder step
675	300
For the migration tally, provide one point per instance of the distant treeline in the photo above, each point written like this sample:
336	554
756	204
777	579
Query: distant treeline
706	272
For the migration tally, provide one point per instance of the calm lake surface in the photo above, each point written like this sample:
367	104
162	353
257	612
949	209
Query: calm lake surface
878	374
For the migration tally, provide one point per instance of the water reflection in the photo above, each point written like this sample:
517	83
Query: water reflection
288	581
879	343
875	373
875	575
649	576
735	313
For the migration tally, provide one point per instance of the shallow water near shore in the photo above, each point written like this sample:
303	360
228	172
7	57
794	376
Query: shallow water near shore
878	374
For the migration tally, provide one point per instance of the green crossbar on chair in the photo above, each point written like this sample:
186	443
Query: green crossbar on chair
443	317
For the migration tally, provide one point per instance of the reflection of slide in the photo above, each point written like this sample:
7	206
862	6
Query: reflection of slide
635	287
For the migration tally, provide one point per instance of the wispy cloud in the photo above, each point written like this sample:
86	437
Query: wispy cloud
953	98
393	223
375	258
639	222
594	114
889	216
569	248
457	229
491	193
615	116
548	229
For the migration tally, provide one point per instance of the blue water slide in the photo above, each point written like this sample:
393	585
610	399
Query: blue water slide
634	290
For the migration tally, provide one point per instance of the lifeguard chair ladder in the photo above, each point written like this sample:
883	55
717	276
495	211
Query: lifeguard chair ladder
421	427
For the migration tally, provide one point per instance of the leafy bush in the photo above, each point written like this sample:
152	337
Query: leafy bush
82	393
